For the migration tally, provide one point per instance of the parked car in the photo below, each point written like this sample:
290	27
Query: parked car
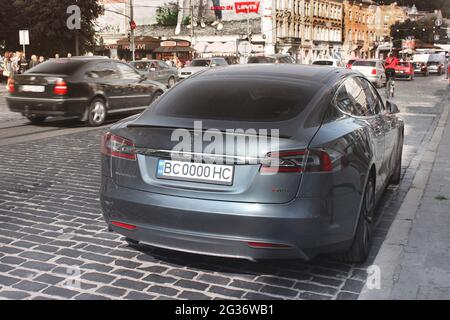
372	69
349	63
157	70
328	62
436	67
421	68
272	58
85	87
404	69
314	193
201	64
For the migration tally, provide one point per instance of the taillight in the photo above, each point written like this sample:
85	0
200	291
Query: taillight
60	87
349	66
123	225
297	161
255	244
374	71
11	87
118	147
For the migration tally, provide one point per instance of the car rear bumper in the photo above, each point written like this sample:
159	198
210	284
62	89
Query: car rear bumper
222	228
403	75
48	107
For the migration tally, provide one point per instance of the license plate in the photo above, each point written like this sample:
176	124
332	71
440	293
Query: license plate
195	172
29	88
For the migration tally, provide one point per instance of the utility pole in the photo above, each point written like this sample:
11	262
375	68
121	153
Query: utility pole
191	11
132	29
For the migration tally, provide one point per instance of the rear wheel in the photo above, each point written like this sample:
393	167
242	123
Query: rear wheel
96	112
36	119
156	96
396	176
360	248
171	82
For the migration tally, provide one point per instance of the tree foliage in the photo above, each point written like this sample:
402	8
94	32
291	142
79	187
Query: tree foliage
423	5
46	22
423	29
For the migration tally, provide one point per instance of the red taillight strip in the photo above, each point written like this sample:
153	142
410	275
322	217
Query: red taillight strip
123	225
325	164
11	87
255	244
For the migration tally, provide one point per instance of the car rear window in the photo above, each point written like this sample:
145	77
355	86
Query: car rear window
57	66
200	63
140	65
235	100
323	63
260	60
364	63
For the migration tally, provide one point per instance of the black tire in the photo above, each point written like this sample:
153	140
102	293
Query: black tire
96	112
360	247
170	82
131	242
396	176
36	119
156	95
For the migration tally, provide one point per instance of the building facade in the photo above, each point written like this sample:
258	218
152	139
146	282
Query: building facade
309	29
359	30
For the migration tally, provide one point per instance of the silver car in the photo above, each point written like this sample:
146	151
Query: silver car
372	69
157	70
314	191
201	64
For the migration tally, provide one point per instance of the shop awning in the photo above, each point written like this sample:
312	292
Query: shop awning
140	43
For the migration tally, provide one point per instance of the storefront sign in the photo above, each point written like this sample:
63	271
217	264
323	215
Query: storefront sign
247	7
168	44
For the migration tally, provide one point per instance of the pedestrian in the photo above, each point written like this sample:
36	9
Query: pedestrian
41	59
9	67
34	61
22	63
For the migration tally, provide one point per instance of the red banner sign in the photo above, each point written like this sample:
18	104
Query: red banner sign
247	7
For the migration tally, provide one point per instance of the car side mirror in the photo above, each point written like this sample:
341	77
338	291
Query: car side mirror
392	107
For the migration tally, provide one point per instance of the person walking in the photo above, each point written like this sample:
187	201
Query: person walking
41	59
34	61
9	69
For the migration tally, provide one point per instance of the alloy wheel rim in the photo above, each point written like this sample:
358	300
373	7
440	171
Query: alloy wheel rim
98	112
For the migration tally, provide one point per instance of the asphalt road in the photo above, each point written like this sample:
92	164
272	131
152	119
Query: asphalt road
54	243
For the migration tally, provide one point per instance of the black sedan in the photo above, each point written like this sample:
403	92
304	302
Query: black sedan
287	161
86	87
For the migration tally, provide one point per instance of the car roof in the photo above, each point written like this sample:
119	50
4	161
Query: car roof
327	59
289	72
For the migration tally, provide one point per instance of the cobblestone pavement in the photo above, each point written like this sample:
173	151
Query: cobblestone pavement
51	230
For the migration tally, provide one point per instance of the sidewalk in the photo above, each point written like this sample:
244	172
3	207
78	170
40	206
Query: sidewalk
414	259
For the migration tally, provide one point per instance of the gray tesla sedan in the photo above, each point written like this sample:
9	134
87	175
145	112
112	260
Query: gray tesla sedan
255	161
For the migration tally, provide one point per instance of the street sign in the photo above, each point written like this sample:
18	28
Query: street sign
244	48
24	38
132	25
438	22
436	37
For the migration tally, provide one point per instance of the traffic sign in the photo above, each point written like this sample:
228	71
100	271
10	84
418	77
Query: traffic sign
244	48
438	22
24	38
132	24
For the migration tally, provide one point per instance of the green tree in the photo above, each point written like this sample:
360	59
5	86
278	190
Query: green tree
423	5
424	30
46	22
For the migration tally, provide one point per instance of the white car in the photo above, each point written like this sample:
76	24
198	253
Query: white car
328	62
199	65
372	69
